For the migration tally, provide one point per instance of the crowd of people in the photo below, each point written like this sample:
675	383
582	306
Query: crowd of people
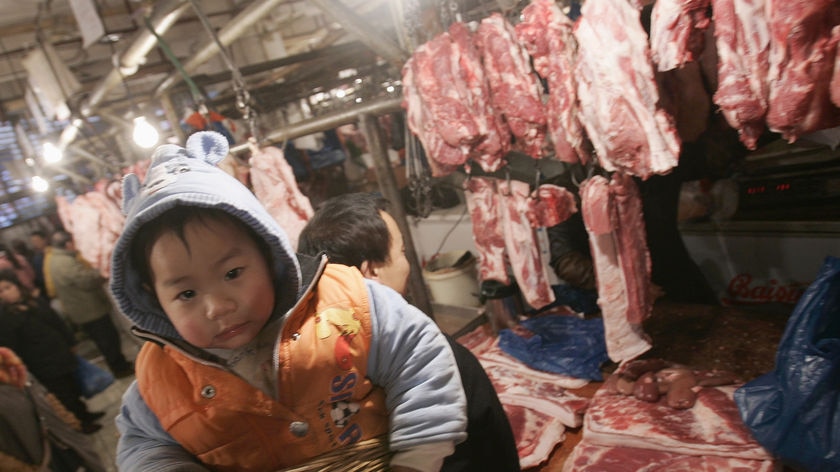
50	301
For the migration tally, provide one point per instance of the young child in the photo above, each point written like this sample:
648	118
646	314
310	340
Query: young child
257	359
356	230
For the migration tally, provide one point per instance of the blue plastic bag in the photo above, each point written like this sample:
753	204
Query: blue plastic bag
562	344
91	378
794	411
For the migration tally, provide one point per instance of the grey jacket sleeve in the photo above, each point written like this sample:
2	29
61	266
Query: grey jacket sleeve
144	445
411	359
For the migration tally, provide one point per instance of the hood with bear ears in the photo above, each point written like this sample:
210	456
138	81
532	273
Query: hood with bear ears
189	177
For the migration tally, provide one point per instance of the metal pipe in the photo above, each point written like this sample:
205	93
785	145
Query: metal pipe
359	27
163	16
228	34
390	190
327	121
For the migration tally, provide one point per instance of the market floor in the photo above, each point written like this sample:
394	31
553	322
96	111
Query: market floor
741	340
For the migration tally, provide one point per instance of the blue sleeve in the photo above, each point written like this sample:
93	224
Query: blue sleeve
412	360
144	445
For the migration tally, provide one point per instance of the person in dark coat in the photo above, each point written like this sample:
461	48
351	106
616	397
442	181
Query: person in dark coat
355	230
36	432
33	330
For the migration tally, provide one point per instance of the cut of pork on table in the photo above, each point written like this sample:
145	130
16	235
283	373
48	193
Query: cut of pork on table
612	214
712	427
547	35
618	94
588	457
276	188
537	403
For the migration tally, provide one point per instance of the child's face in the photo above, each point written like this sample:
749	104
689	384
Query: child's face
217	289
394	273
9	292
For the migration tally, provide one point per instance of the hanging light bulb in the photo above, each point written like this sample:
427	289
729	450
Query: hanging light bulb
145	135
52	153
39	184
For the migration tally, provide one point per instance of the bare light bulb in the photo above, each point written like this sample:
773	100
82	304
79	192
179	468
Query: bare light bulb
39	184
145	135
52	153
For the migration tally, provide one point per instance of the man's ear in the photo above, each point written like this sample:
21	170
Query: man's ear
369	271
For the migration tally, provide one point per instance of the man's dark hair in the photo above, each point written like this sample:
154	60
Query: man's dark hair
60	239
175	220
38	232
349	229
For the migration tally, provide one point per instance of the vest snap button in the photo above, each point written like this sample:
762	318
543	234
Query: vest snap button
295	336
299	428
208	391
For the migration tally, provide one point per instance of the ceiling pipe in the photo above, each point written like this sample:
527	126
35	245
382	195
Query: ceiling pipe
327	121
162	17
361	28
228	34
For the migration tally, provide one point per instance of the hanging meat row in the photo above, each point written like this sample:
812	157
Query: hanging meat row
469	89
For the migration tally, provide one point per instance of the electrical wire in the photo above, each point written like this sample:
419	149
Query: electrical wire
451	230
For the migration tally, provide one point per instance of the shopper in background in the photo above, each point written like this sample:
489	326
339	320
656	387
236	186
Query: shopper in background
211	281
36	432
356	230
40	245
84	301
10	259
32	329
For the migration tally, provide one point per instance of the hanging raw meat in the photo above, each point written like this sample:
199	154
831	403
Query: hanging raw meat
742	38
96	223
677	31
443	158
618	94
275	187
550	205
444	93
835	78
521	244
802	53
515	92
488	233
489	152
547	35
613	218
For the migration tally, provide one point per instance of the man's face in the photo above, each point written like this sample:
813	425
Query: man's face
38	243
394	272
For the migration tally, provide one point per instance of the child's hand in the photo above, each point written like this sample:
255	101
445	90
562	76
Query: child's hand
12	370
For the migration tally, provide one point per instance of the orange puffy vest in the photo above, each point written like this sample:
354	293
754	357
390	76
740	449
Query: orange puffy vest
325	401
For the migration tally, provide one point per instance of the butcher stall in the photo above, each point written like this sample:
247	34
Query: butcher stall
624	109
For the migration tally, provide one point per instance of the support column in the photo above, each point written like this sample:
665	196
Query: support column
388	186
